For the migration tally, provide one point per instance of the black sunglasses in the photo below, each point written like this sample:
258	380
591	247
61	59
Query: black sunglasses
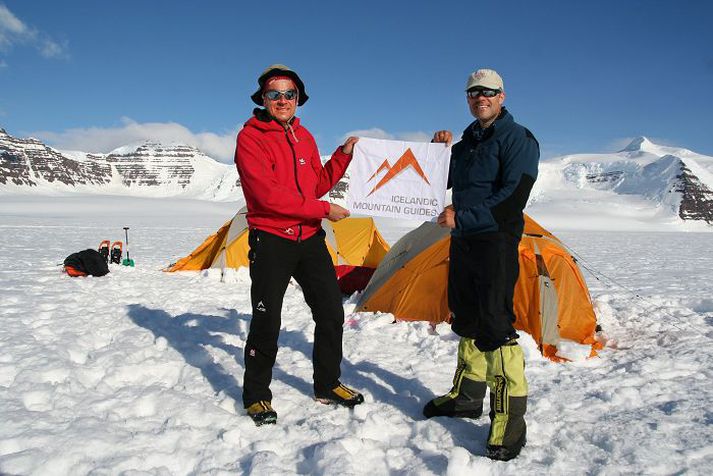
274	94
488	93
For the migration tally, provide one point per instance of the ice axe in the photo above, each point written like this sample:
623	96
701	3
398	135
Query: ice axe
127	261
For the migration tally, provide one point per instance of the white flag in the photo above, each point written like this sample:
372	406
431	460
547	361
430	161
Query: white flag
398	179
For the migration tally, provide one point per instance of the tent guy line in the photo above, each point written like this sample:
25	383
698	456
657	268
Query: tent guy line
651	306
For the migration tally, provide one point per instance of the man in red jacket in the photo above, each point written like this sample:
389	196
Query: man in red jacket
283	179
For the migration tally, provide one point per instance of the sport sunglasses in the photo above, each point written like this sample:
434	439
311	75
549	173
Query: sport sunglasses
274	94
488	93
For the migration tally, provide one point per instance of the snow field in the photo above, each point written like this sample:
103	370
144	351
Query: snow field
140	371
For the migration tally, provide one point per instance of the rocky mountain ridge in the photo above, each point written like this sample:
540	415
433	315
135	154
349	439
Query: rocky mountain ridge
671	181
145	169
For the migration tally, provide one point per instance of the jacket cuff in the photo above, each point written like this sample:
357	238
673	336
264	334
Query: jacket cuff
325	206
339	155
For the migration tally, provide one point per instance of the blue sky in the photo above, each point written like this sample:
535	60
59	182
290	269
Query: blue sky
583	76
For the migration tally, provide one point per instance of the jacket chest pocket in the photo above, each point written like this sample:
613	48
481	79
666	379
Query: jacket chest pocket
481	164
304	171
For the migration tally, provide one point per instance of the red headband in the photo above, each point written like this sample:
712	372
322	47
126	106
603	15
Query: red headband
276	78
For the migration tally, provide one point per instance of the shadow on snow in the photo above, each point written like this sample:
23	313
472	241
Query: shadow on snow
189	334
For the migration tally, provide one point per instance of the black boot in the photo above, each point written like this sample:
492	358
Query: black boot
505	453
463	402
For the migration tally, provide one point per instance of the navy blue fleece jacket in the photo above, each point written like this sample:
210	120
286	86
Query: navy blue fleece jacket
492	172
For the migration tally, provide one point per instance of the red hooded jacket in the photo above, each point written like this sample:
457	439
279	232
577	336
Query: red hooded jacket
283	178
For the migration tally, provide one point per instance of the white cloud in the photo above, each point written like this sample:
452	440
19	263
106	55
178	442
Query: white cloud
221	147
376	133
50	49
14	31
10	25
103	140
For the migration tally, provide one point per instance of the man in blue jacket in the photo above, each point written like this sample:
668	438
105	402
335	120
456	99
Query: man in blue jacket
492	171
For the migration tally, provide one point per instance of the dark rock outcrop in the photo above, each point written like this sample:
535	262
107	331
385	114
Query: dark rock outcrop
696	198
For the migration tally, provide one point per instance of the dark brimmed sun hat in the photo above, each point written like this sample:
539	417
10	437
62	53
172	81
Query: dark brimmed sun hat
279	70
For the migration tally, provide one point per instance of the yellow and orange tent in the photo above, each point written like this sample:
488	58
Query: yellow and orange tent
551	299
355	244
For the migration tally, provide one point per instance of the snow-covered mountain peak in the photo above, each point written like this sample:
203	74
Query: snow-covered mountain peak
672	181
129	148
640	144
643	147
155	148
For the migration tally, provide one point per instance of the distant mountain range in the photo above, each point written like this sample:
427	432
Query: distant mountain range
146	169
673	183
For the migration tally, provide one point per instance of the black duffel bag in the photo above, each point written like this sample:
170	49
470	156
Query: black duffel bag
87	262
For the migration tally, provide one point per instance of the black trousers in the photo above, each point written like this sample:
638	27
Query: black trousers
273	261
481	283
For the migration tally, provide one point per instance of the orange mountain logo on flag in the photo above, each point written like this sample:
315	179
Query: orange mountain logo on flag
405	161
384	166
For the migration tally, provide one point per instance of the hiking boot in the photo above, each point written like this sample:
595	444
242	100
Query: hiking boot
451	409
340	395
467	403
503	453
262	413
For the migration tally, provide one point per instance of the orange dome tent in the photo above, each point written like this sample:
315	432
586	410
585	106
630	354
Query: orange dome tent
551	299
355	244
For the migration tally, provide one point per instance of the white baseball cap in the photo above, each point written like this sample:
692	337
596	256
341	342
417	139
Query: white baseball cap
485	78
